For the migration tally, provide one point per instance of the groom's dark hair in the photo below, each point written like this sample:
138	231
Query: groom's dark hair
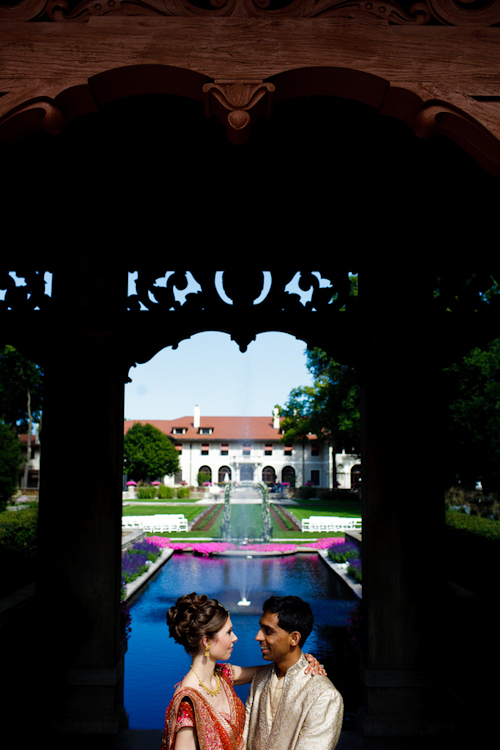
293	614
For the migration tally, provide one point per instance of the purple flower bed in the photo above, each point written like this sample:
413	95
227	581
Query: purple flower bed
135	559
354	569
348	552
343	552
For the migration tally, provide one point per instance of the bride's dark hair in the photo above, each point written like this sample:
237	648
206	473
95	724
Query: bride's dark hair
193	617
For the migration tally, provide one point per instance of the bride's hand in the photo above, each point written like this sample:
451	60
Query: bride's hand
314	666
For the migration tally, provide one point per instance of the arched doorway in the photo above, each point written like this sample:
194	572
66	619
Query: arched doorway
224	474
288	475
101	382
356	477
246	473
204	474
268	475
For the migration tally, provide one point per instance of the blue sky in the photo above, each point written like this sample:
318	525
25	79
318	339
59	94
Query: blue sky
209	370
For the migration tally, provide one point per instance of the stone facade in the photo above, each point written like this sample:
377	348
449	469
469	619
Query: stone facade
250	449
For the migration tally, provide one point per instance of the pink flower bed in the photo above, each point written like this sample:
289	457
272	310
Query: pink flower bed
207	548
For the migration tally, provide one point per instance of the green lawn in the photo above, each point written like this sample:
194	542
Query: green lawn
248	518
141	501
190	511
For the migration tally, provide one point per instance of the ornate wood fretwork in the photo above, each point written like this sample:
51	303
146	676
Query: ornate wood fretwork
154	315
406	12
27	297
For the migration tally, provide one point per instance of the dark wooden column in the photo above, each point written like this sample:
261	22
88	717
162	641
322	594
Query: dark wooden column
78	591
402	507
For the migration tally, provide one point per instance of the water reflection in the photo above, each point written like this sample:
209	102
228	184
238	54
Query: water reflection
154	663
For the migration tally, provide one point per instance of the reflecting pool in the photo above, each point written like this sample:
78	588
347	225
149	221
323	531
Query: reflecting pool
154	663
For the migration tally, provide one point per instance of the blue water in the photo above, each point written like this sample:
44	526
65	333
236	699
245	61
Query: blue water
154	663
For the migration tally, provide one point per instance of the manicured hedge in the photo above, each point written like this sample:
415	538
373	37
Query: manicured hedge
18	548
472	552
486	528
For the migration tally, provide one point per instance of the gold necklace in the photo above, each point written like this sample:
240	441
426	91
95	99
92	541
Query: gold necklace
213	693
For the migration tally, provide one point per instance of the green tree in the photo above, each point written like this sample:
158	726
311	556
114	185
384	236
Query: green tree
472	419
21	385
148	453
328	409
10	456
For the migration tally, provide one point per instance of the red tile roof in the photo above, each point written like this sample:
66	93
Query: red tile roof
224	428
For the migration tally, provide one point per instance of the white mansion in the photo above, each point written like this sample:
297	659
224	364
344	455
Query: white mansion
249	449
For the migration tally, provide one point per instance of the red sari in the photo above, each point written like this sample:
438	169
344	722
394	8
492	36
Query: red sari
214	730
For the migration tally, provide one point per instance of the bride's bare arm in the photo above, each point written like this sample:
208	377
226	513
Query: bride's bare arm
242	675
186	739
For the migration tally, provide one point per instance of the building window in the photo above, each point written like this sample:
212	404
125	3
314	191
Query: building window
268	449
178	447
205	448
315	449
246	449
288	450
178	430
224	449
206	430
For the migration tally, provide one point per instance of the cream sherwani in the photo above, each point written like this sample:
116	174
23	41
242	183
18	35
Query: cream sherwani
308	715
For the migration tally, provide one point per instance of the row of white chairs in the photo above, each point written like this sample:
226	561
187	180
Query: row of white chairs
161	522
330	523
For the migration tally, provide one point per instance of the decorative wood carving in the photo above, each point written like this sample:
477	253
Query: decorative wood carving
401	58
235	102
447	12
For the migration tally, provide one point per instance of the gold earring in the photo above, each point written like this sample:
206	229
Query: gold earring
207	649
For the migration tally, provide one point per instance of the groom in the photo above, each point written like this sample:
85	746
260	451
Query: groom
287	709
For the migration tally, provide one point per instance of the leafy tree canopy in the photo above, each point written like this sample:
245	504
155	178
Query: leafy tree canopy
21	383
10	455
472	421
148	453
328	409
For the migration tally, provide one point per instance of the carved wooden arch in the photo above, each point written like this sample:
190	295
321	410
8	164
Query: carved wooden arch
239	103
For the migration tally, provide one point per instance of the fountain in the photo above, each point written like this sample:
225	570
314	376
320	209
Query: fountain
244	590
226	522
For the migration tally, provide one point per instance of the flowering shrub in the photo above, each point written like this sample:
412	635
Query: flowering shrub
206	548
354	569
343	552
136	559
347	552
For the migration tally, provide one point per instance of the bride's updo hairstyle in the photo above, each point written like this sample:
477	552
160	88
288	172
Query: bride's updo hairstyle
193	617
